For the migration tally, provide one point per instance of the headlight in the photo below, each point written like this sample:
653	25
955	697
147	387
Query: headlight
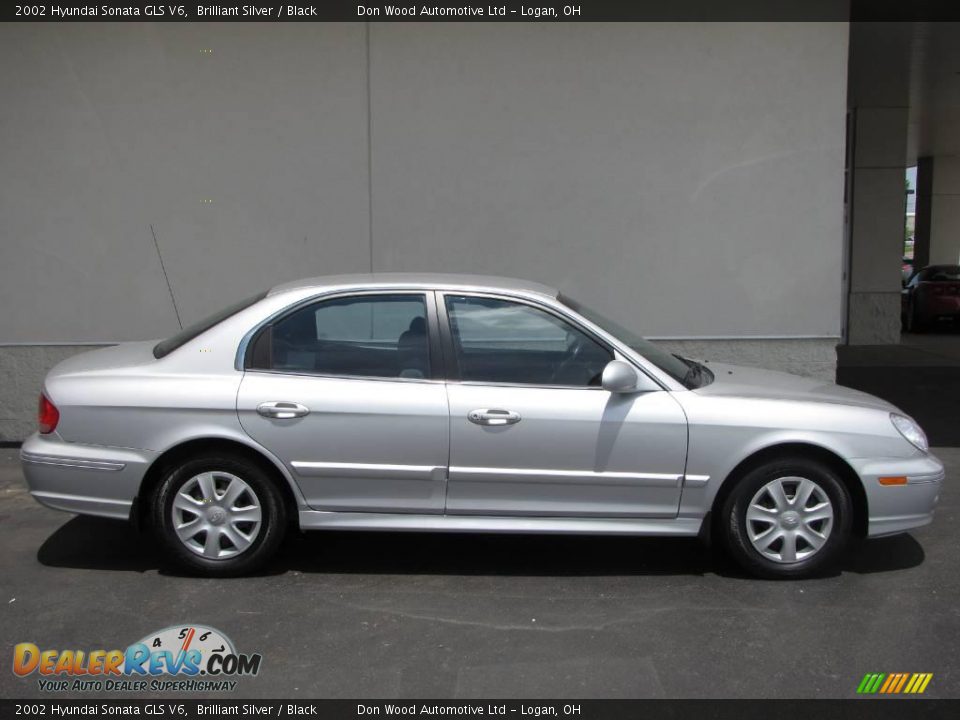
910	430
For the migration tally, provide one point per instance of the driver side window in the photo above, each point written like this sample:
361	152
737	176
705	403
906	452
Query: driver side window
500	341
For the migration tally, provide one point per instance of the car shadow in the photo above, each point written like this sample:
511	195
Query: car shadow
91	543
885	554
97	544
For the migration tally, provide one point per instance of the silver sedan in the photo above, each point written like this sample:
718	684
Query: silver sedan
466	404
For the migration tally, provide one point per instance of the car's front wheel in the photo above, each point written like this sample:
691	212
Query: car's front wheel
787	519
218	515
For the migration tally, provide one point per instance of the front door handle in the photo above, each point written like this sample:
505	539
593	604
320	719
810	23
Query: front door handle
493	416
282	410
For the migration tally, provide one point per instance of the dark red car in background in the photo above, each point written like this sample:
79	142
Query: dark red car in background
930	295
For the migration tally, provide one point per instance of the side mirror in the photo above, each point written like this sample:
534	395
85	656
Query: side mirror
621	377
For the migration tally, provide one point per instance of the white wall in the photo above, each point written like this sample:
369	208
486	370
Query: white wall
935	125
943	143
945	211
106	129
685	177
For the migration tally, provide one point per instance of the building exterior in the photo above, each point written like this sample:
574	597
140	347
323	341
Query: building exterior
687	179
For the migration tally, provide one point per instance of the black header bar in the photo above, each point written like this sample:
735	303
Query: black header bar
538	11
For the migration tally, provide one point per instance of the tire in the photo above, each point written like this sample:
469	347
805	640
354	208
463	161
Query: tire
752	542
223	495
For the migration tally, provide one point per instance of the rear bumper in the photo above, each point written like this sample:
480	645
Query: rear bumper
937	306
84	479
896	508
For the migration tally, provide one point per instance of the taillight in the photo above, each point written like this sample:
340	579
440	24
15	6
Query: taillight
47	415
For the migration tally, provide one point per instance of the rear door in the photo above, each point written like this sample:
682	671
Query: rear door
342	390
533	433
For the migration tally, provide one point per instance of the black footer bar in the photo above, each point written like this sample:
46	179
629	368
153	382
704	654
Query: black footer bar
853	709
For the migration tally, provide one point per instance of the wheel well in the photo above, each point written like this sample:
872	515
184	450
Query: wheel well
206	446
813	452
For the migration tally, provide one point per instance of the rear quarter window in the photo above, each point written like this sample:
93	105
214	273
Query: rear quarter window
165	347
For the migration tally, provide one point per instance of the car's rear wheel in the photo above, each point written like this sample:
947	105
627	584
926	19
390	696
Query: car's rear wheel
219	515
787	519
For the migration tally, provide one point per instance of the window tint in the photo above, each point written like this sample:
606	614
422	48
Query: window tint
507	342
941	273
371	336
675	366
189	333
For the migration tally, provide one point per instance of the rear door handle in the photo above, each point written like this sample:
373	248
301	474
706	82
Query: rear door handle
282	410
493	416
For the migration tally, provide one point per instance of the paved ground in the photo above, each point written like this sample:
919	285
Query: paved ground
377	615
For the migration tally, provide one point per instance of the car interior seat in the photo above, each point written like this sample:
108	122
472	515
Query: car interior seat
413	350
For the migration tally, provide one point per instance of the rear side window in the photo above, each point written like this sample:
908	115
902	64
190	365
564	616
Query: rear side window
167	346
382	336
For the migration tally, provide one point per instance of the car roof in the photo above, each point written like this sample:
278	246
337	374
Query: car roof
438	281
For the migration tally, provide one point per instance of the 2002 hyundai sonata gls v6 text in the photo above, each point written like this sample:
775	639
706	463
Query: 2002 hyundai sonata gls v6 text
459	403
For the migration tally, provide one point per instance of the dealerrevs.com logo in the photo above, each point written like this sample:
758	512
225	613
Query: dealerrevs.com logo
178	658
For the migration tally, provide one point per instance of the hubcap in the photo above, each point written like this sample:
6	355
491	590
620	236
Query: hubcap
789	519
216	515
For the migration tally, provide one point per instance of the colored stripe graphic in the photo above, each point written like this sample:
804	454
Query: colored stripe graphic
894	683
870	683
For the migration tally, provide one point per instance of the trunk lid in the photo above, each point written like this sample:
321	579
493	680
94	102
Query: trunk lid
107	359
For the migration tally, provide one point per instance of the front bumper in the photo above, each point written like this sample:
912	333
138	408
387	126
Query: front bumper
84	479
896	508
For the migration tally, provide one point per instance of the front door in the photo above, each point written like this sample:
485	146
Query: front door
342	391
533	433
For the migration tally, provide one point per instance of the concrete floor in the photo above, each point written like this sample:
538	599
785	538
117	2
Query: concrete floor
391	615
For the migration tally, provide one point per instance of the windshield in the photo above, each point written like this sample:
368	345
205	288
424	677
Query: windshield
167	346
688	372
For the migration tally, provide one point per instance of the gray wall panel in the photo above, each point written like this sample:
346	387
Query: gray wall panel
106	129
683	177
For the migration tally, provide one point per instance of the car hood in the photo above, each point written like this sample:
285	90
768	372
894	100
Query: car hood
737	381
